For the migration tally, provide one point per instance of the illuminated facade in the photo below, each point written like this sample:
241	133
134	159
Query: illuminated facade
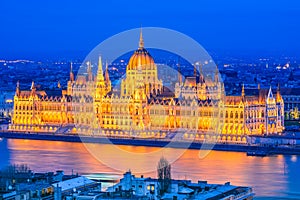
142	106
291	97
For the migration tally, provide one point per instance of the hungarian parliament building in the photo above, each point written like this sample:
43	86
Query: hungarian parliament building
143	107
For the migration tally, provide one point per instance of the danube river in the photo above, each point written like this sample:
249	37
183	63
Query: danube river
271	177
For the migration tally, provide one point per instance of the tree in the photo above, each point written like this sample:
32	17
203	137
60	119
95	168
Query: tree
164	175
295	113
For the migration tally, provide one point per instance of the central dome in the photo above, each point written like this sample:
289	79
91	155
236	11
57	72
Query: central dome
141	58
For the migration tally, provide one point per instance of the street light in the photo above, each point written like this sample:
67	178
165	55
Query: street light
73	192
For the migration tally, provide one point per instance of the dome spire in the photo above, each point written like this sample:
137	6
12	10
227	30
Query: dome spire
141	43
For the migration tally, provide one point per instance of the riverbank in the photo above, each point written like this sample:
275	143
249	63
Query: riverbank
271	150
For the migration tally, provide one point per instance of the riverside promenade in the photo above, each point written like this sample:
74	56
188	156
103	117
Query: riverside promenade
270	149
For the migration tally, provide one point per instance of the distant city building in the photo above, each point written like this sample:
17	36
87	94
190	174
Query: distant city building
81	183
147	188
291	97
143	107
18	182
6	103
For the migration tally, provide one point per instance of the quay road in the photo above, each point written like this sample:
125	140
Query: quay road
151	142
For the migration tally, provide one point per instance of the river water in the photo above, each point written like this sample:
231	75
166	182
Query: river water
274	177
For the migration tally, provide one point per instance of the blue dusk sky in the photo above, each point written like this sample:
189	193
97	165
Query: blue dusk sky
63	28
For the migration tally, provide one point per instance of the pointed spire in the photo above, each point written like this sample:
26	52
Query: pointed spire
101	87
100	65
201	68
58	84
243	90
107	80
179	72
270	94
260	94
18	88
33	89
141	42
217	74
106	72
201	73
71	73
32	85
100	70
278	95
89	71
195	70
270	98
89	66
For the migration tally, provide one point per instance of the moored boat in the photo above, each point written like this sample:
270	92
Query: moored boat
257	153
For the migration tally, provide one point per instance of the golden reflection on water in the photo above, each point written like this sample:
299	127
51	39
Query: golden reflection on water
267	175
139	150
138	159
